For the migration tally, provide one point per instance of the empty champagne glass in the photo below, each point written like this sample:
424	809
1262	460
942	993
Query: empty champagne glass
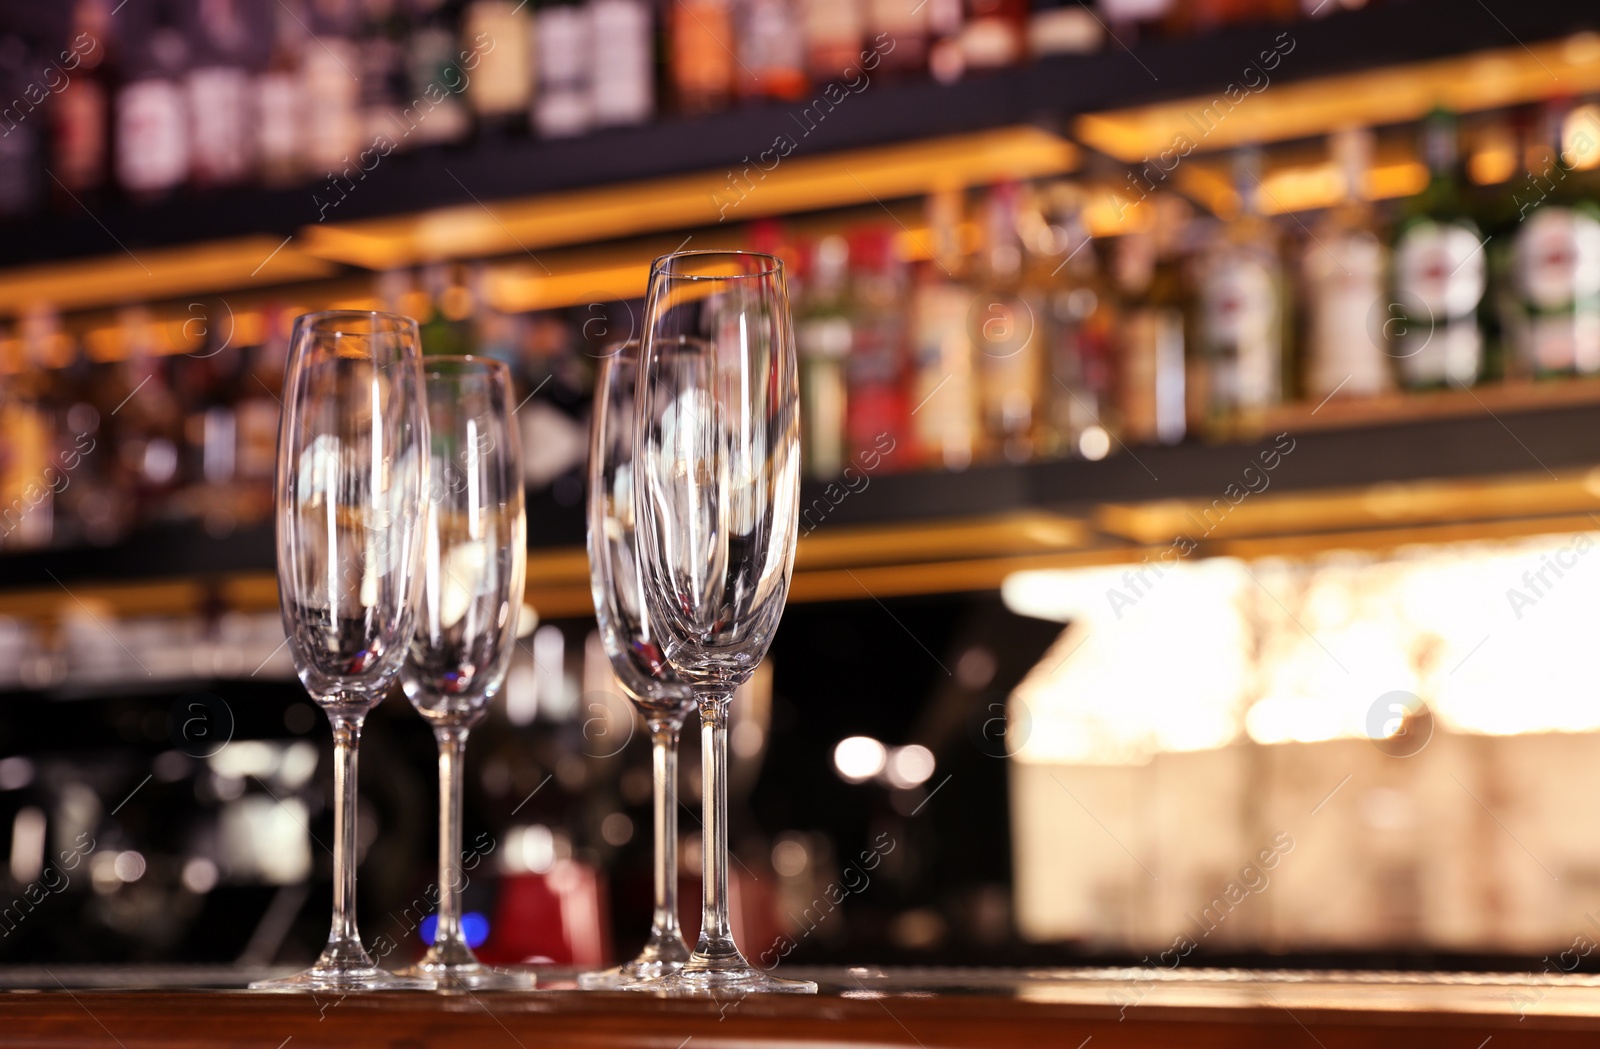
468	594
662	697
716	483
351	475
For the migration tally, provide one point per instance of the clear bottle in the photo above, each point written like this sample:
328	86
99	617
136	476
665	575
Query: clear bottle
81	112
1440	275
152	134
563	103
222	149
1551	299
1155	344
1080	324
1003	324
623	61
943	384
1242	311
823	335
700	54
1344	264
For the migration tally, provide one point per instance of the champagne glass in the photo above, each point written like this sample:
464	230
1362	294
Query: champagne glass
468	594
662	697
716	484
351	475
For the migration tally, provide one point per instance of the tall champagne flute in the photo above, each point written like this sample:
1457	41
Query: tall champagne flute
351	472
716	502
662	697
468	594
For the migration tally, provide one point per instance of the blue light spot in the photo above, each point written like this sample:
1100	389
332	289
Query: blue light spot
474	926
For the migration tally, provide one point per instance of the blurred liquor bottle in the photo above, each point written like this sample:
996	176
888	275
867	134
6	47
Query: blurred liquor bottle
218	90
330	79
622	58
823	333
1440	274
834	30
701	54
1133	20
152	124
876	407
447	330
280	114
995	35
942	396
946	62
771	49
20	145
1551	297
1063	27
1004	325
384	77
1242	311
438	76
502	35
81	126
1155	346
1344	266
563	105
552	414
898	31
1079	412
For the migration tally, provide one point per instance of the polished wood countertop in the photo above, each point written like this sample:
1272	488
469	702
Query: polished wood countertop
924	1008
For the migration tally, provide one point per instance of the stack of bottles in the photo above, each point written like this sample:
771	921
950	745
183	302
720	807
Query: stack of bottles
202	93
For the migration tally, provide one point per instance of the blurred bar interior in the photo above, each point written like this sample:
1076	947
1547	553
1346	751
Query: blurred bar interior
1200	430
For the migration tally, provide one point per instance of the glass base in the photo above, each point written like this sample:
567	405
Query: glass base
319	979
723	983
624	977
467	976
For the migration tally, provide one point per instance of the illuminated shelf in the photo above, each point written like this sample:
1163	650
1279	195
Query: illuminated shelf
514	197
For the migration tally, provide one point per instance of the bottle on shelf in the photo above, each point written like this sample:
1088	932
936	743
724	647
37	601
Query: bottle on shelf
563	102
833	37
942	394
875	415
152	128
1439	275
1063	27
384	79
1155	347
330	85
222	150
1132	20
81	113
898	31
622	58
700	54
1242	310
1344	264
1003	324
279	122
771	49
1078	411
1550	301
946	62
823	334
20	146
995	34
435	111
502	34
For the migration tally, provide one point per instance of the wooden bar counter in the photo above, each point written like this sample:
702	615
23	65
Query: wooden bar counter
926	1008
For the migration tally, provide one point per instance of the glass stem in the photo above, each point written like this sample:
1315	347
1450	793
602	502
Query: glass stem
664	929
716	949
449	944
344	941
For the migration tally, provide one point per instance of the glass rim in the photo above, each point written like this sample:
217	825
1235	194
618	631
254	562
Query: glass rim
771	264
383	322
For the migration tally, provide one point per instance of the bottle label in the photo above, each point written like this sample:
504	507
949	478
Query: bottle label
1440	277
1558	258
